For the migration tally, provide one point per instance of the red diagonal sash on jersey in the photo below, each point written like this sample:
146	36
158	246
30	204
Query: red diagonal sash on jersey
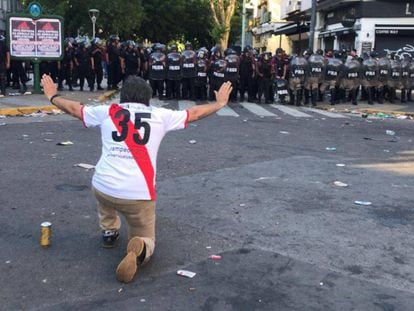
139	152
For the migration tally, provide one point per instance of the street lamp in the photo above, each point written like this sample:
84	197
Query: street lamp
93	14
243	34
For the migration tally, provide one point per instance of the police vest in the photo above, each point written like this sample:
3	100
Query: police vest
157	67
219	68
174	66
232	69
189	68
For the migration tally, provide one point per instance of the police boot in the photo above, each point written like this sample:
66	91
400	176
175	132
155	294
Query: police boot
333	95
380	95
409	96
307	95
370	94
403	95
353	95
24	88
314	95
392	94
298	98
291	97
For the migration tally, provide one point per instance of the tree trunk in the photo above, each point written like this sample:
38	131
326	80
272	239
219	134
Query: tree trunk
222	12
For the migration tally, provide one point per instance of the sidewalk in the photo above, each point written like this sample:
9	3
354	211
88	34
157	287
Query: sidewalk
18	105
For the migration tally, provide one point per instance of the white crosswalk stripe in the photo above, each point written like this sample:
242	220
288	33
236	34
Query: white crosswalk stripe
256	109
158	103
226	111
291	111
326	113
185	104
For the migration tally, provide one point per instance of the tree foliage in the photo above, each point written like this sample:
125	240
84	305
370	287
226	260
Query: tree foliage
156	20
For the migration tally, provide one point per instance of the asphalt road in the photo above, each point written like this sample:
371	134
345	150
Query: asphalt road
256	190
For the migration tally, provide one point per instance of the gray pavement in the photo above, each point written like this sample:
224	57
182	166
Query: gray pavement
256	190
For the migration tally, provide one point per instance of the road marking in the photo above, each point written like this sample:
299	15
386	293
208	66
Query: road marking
291	111
256	109
158	103
325	113
185	104
226	111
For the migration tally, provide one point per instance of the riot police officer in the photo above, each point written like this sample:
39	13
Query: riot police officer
351	78
298	68
158	70
384	69
189	71
4	64
247	73
85	64
174	67
264	73
114	62
405	75
66	65
97	55
369	76
331	77
316	68
130	60
394	81
232	71
218	69
280	64
200	82
410	82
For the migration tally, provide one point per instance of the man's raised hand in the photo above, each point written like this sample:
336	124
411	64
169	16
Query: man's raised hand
49	87
223	94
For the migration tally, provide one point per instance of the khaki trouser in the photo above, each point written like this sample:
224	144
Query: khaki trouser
295	84
348	84
331	84
139	216
312	83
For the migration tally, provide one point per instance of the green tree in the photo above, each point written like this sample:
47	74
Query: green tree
222	12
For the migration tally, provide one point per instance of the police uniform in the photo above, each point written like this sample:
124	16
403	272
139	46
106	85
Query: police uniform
351	78
66	66
232	72
200	83
369	77
316	64
174	67
265	71
114	64
297	75
157	71
189	73
331	78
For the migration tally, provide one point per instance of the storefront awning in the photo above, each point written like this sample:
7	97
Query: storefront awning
401	30
292	29
336	32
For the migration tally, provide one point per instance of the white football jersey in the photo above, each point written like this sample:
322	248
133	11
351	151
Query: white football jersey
131	135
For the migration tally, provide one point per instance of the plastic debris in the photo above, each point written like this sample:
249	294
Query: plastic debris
193	141
208	247
3	124
340	184
215	257
142	300
8	261
186	273
191	289
389	132
65	143
44	281
85	166
120	290
330	148
47	139
364	203
321	283
284	132
341	165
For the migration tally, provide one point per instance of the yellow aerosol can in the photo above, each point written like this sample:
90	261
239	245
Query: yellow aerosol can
45	234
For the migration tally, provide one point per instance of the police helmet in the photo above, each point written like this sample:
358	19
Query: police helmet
188	46
319	51
173	48
2	38
96	41
247	49
113	38
307	52
229	51
130	44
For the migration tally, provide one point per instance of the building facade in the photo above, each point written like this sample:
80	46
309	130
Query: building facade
266	19
7	6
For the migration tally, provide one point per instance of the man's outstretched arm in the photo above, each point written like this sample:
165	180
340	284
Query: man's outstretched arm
71	107
201	111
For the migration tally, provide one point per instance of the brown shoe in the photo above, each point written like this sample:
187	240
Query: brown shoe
128	267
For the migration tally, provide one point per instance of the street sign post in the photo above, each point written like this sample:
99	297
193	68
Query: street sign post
35	37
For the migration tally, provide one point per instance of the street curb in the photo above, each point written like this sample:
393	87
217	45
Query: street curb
369	110
25	110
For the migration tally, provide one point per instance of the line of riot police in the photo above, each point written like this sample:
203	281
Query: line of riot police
344	75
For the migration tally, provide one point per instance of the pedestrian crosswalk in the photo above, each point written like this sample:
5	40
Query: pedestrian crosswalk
272	110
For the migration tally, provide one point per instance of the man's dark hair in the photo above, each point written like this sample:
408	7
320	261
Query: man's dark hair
136	90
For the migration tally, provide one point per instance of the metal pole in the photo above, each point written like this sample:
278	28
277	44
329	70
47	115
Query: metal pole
312	26
93	29
36	76
243	34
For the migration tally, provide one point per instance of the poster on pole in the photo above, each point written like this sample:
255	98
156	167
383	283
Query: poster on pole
35	38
